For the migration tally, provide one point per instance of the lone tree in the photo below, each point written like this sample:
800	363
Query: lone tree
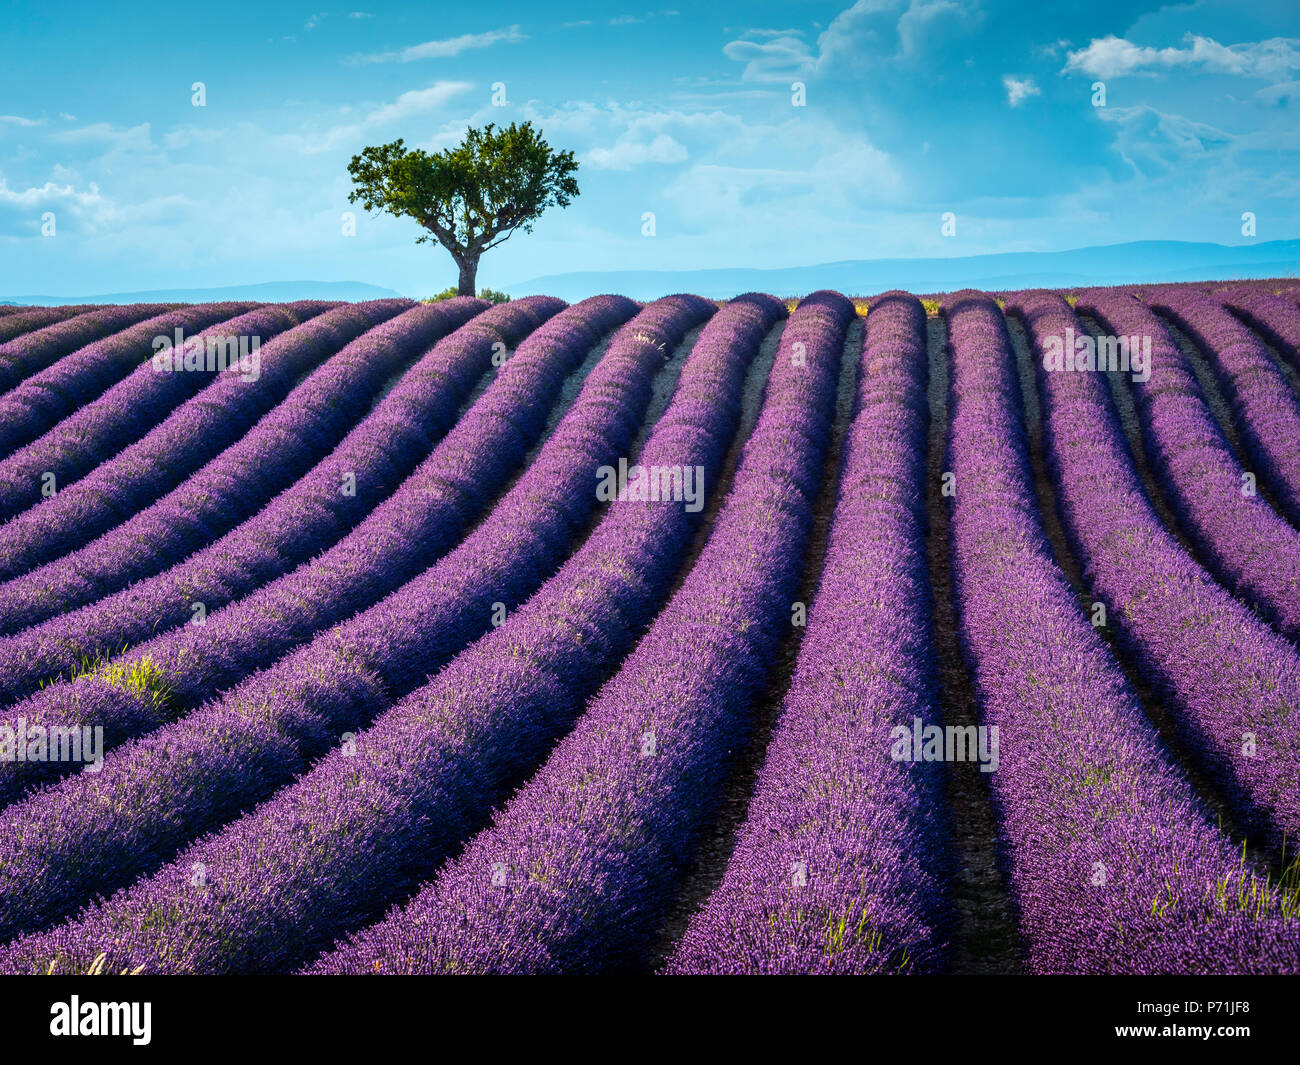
472	197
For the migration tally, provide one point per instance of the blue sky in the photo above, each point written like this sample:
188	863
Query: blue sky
913	108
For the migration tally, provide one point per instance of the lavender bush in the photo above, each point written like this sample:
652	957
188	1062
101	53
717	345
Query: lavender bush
116	453
576	871
44	398
1265	409
1232	681
33	351
1252	549
160	679
838	867
1114	865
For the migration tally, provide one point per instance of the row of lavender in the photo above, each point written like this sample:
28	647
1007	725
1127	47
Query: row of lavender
1233	680
212	763
1114	865
158	680
114	480
839	867
202	770
575	873
307	516
380	808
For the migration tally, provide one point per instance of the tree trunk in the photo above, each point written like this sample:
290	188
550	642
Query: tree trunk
468	273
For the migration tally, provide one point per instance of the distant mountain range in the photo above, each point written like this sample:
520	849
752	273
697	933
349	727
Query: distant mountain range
1136	262
1141	261
270	292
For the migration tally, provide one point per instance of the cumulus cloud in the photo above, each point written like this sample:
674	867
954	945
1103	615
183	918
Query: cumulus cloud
1019	89
446	48
872	31
868	33
1113	57
21	209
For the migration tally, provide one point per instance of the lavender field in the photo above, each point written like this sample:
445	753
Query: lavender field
890	634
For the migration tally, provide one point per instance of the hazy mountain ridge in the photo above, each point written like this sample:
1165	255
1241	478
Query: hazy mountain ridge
267	292
1113	264
1135	262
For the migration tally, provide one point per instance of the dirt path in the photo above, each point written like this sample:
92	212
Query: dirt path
986	940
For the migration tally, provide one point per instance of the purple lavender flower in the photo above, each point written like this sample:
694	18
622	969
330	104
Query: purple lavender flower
837	868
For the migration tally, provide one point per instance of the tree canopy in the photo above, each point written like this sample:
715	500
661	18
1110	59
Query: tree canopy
472	197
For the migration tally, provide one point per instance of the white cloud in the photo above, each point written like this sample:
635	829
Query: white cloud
447	48
1154	142
1019	89
872	31
628	153
822	171
129	138
633	20
778	59
21	209
1281	95
1113	57
18	120
869	33
414	104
